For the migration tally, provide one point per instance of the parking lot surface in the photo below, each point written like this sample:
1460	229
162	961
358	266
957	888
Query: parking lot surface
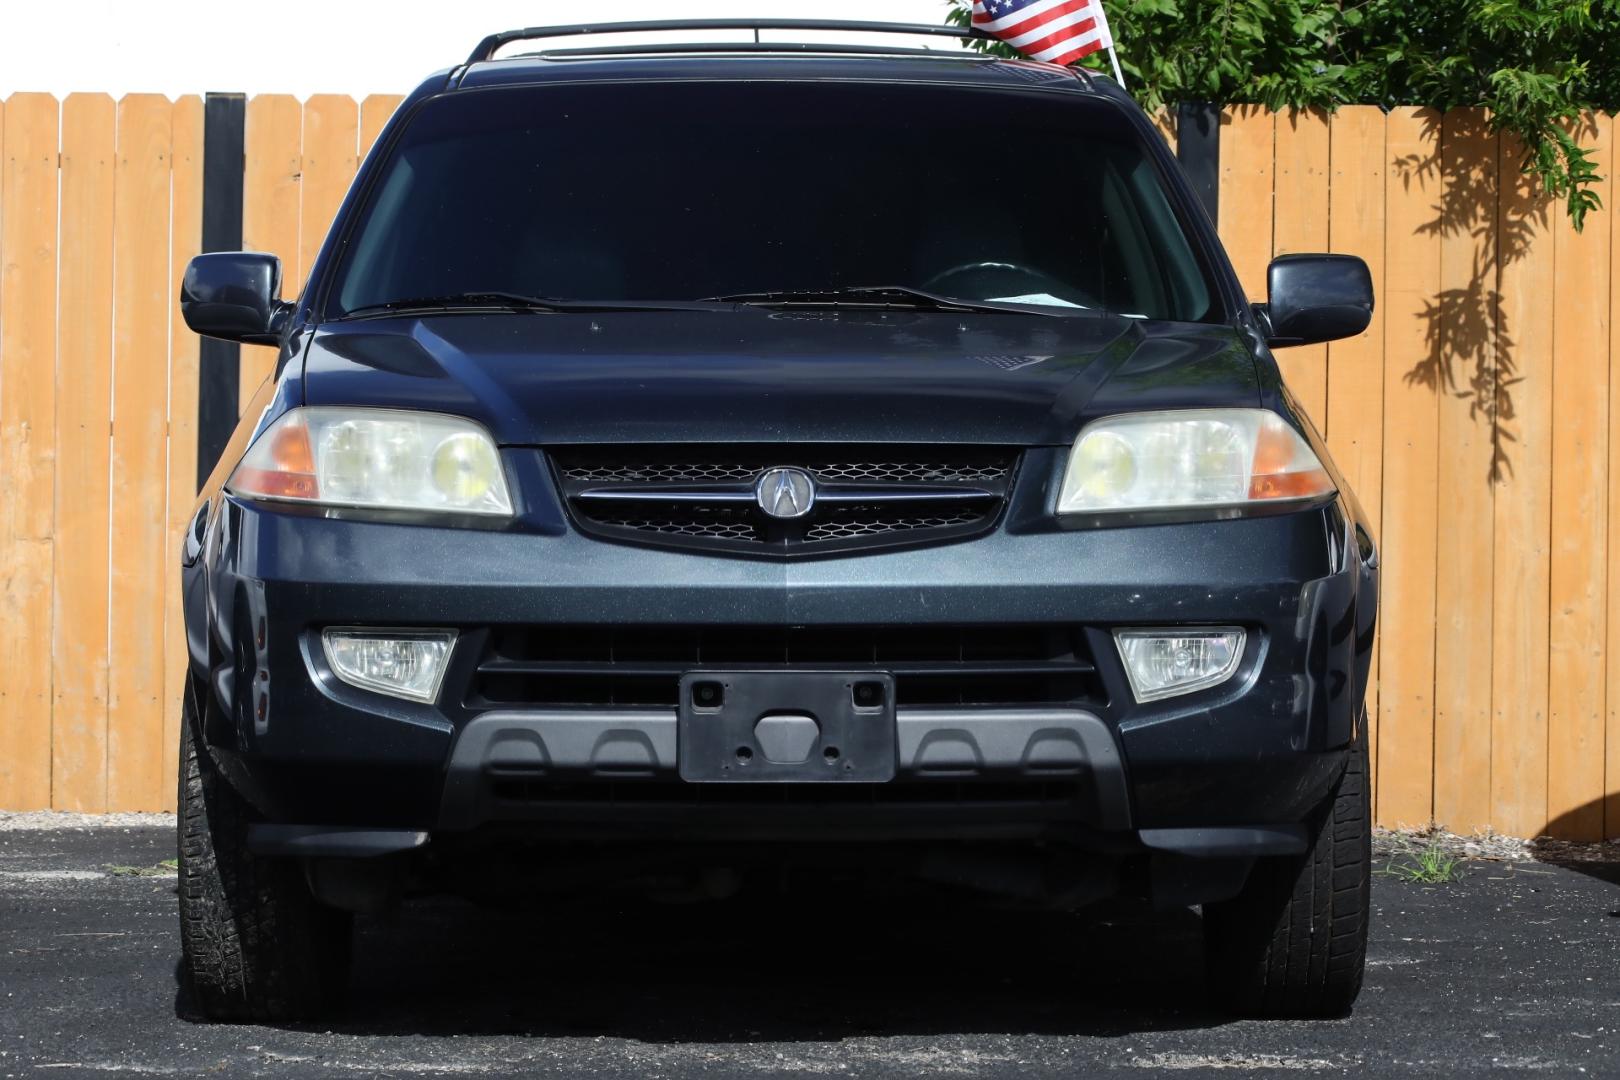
1512	968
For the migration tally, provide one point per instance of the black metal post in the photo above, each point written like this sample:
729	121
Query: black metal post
219	375
1198	146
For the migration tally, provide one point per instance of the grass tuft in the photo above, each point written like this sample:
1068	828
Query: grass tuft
1428	865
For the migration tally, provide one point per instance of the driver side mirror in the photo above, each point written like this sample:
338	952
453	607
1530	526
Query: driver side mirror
1314	298
233	295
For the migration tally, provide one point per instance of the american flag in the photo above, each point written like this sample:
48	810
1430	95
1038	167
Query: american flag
1057	31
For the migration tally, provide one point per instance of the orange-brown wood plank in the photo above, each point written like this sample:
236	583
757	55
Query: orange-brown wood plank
83	411
185	240
273	148
1464	314
1245	195
1300	224
374	113
331	140
1411	422
1355	394
1164	122
136	773
1523	505
1611	772
28	178
1577	581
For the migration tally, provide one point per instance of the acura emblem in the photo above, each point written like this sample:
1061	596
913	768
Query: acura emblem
785	492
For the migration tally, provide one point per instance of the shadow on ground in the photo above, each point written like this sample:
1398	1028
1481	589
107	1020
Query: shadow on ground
761	969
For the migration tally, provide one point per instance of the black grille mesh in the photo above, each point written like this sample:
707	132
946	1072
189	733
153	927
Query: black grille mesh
573	665
615	490
858	521
963	467
715	523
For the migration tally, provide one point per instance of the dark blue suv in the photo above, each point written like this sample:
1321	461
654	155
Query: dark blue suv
690	460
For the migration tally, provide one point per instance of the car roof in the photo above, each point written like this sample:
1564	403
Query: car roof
694	62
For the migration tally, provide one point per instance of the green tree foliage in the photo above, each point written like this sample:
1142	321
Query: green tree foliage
1535	64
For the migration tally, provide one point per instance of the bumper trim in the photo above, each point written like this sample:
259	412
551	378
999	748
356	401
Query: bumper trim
933	744
342	841
1214	843
961	743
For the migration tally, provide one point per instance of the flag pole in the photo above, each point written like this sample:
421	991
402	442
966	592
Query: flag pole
1108	36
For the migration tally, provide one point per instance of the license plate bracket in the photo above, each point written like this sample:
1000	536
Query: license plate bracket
841	722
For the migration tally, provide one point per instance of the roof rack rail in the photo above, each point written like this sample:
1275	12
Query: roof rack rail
488	47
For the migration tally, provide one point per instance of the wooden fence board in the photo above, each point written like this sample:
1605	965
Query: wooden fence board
273	148
1523	501
1164	122
374	113
1411	422
27	444
1355	394
83	407
1300	224
135	771
1611	772
1579	536
185	240
1245	193
331	140
1464	316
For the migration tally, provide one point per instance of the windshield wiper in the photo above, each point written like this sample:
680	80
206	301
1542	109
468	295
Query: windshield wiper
487	300
892	296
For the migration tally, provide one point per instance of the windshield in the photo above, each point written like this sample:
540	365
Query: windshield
693	190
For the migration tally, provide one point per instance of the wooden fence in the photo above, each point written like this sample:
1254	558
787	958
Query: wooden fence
100	209
1472	418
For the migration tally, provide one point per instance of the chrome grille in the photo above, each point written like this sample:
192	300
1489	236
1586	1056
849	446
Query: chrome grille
684	496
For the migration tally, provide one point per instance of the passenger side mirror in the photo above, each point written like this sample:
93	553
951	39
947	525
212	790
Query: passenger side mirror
1314	298
233	295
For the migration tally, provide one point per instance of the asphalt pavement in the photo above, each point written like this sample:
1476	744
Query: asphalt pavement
1512	968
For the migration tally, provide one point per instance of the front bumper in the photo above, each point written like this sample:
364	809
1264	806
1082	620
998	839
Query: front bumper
1261	750
498	749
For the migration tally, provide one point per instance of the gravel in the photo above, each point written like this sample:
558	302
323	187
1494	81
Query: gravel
40	820
1493	847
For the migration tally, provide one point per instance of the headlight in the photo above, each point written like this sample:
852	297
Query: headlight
375	458
1189	459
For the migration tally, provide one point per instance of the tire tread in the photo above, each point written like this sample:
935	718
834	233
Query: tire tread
1294	941
255	944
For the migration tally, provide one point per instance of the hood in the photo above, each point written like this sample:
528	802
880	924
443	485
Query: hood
753	375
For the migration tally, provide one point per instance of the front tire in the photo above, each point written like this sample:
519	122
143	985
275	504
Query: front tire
1293	943
255	944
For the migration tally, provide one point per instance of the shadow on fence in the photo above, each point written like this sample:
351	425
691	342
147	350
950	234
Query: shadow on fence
1470	352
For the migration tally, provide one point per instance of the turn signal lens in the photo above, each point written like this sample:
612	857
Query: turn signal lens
376	458
1163	663
1189	459
280	465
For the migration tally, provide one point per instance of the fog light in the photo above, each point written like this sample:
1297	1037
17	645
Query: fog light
1164	662
400	663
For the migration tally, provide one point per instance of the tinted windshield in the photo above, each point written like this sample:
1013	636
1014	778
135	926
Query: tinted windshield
689	190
